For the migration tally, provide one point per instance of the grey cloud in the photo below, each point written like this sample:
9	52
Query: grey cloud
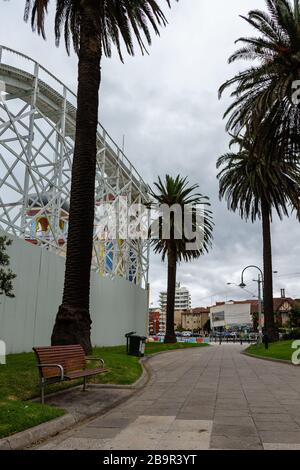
166	104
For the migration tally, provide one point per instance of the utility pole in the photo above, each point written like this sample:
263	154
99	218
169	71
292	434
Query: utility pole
259	284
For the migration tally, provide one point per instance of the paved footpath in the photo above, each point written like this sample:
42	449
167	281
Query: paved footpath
206	398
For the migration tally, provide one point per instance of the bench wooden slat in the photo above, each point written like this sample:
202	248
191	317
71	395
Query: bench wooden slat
71	357
85	373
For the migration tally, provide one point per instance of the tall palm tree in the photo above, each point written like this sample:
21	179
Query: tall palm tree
254	182
92	26
184	217
267	88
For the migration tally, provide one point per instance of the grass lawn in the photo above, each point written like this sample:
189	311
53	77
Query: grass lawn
19	382
278	350
15	416
152	348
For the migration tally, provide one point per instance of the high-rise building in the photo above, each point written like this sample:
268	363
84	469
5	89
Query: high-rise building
182	302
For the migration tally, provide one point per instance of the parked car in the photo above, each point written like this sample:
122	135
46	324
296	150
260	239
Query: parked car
253	336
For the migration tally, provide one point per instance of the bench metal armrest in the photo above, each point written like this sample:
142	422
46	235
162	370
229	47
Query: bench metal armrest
95	358
58	366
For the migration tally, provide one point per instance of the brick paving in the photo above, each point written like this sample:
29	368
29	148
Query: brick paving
206	398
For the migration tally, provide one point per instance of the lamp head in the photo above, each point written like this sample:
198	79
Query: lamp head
242	285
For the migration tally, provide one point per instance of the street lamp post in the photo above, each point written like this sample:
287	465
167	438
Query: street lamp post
259	281
259	284
238	285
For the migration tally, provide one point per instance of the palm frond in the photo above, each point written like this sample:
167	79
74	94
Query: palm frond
177	192
115	21
253	173
260	88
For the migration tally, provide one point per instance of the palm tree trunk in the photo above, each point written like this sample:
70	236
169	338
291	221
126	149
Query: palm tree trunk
170	336
73	323
268	272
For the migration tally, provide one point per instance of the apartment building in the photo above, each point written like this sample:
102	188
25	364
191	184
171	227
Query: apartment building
182	302
154	321
193	319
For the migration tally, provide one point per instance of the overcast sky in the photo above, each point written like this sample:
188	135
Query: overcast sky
166	104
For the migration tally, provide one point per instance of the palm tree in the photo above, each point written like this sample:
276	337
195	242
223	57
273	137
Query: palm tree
255	182
92	25
268	88
177	204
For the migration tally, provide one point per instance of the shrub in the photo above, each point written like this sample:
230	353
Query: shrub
293	334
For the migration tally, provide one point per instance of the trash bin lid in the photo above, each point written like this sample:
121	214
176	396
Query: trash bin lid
130	334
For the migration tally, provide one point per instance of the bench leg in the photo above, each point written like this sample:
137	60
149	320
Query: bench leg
84	384
42	387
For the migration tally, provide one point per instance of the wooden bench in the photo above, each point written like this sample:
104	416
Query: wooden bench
60	363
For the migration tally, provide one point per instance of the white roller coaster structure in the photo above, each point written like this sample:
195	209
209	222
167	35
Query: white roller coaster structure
37	130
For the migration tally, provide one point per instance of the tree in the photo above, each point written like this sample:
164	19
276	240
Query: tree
266	105
206	326
295	316
176	202
92	26
254	182
255	321
180	329
6	274
268	90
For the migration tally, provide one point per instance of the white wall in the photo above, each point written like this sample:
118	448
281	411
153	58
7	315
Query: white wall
238	314
234	314
117	306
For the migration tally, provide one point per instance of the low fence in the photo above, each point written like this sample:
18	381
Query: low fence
182	339
229	339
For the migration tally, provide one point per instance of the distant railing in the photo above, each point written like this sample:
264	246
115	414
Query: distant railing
233	339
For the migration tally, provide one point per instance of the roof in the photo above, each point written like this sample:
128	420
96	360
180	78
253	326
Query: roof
228	302
278	302
200	310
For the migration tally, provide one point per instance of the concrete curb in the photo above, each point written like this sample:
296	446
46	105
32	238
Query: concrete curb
43	431
25	438
270	359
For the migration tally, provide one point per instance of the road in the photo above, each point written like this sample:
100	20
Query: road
206	398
